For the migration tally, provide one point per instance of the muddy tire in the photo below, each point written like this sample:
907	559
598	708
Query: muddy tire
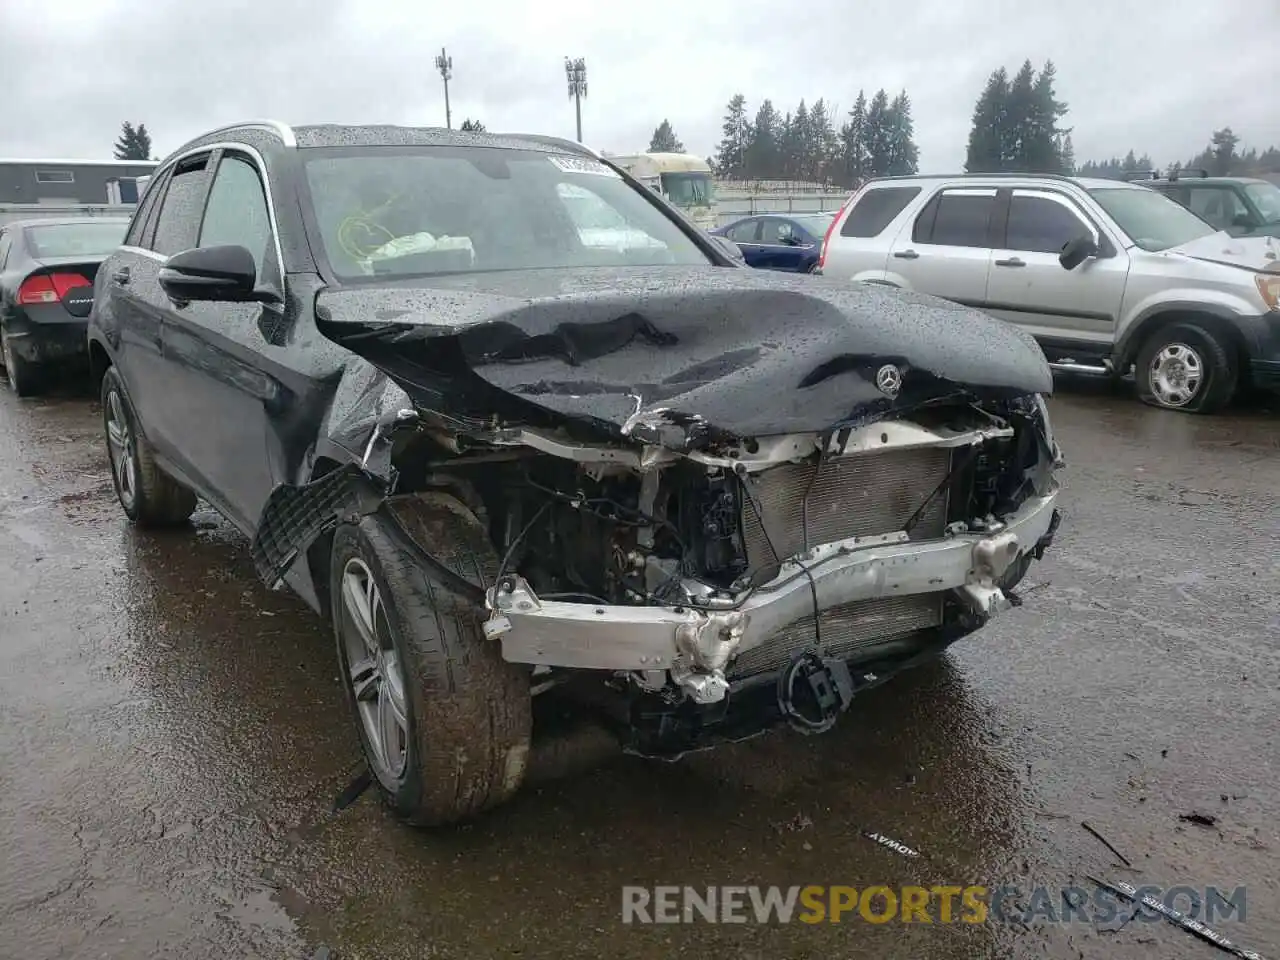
25	377
1185	367
443	720
148	495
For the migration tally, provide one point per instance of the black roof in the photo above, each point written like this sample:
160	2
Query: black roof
48	221
382	135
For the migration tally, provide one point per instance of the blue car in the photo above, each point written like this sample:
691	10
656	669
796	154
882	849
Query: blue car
774	241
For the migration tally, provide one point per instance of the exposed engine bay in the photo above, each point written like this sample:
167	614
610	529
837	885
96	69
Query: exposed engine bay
680	577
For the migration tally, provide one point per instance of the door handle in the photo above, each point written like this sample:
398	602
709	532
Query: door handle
121	276
1011	262
906	255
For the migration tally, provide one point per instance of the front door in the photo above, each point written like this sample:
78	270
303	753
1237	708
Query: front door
1028	286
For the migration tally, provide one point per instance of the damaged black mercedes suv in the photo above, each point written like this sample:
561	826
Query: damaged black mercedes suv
515	424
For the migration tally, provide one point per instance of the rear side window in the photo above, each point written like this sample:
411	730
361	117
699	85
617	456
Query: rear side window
875	210
957	218
182	207
744	232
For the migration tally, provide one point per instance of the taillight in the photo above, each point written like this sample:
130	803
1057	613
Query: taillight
826	237
49	287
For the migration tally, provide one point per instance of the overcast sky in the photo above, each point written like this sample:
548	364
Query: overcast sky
1157	77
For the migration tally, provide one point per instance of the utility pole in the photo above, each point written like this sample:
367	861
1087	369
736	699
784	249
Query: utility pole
576	72
444	63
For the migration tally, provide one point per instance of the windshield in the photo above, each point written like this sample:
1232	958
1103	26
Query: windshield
1266	197
1152	220
816	224
75	239
688	189
413	211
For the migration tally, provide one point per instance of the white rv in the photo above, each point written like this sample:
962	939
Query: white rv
683	179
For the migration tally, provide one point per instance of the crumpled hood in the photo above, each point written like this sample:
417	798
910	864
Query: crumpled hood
1250	253
671	354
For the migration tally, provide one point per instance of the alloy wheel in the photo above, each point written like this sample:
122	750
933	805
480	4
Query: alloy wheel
374	672
1177	372
121	450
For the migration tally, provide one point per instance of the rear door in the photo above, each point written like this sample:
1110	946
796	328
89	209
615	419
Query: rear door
782	244
946	249
1028	286
746	234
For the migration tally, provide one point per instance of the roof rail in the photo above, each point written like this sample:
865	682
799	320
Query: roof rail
1188	172
975	176
281	130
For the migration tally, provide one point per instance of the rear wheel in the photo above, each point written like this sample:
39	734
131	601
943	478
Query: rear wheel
149	496
1185	367
24	376
443	720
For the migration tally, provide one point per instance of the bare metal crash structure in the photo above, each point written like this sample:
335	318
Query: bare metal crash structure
700	499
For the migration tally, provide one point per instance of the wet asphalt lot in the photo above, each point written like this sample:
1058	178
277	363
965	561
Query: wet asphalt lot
172	737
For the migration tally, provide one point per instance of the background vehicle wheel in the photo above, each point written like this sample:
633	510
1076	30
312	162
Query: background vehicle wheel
149	496
1185	367
24	376
444	721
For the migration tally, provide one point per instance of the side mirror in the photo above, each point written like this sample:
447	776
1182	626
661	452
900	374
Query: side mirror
1077	251
730	248
225	274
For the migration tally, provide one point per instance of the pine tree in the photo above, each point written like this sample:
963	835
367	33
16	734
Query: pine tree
853	151
664	139
134	142
878	136
731	155
472	126
1067	155
821	142
986	136
763	154
1017	134
1223	152
1042	147
1144	163
799	142
904	155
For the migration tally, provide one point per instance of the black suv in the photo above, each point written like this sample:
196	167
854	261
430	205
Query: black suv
1242	206
510	453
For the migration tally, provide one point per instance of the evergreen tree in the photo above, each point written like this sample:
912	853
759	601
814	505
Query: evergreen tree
1042	146
877	135
1144	163
134	143
472	126
1017	134
853	153
764	160
986	148
731	155
664	139
798	143
1223	152
1130	164
821	142
1066	155
904	155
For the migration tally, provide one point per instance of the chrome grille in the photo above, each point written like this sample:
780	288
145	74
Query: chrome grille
847	631
856	496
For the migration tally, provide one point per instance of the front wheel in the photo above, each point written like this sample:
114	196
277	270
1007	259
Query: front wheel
1185	367
443	720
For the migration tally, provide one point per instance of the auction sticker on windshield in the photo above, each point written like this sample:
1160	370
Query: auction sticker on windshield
583	165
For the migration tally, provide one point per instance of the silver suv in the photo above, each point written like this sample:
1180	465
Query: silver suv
1107	276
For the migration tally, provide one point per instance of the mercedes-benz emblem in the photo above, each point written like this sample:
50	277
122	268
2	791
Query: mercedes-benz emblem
889	380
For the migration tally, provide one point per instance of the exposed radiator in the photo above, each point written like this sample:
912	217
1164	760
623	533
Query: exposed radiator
847	631
855	496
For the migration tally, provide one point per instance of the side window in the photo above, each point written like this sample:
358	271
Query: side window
599	223
136	232
178	224
777	232
957	218
237	210
1218	205
6	241
745	232
1041	225
876	209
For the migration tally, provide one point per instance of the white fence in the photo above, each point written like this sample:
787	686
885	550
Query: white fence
42	211
733	207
